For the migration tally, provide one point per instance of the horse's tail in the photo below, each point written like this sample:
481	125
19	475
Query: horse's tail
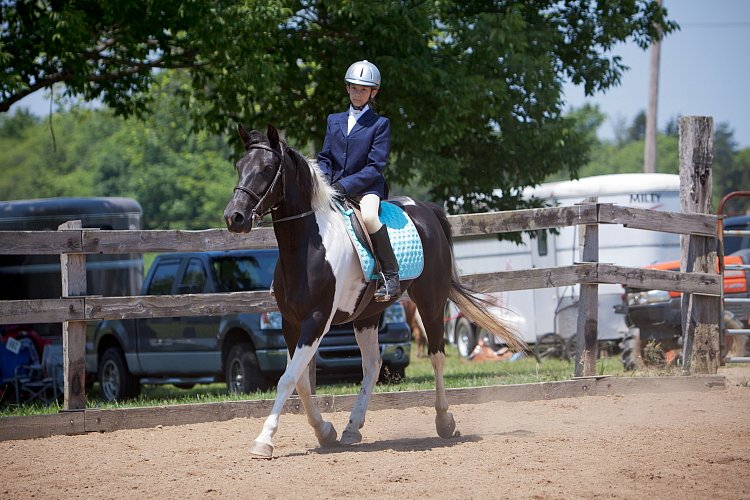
474	305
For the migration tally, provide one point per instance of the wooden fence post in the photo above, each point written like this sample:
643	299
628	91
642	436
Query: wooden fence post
73	268
588	303
700	313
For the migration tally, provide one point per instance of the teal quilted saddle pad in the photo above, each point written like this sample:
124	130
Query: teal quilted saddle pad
404	238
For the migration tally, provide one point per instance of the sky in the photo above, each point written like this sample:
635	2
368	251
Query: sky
704	70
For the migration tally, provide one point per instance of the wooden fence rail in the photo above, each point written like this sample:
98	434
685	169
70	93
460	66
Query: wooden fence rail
91	308
175	240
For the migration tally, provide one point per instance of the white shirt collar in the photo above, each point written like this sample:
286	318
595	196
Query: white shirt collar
357	113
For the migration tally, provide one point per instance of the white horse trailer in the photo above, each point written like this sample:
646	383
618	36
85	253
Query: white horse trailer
555	310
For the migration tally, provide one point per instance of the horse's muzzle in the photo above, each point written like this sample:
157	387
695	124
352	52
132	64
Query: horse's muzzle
237	223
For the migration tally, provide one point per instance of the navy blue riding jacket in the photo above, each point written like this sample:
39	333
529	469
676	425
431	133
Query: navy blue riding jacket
357	161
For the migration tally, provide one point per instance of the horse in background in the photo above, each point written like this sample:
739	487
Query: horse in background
418	333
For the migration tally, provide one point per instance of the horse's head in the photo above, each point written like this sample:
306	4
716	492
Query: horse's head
260	186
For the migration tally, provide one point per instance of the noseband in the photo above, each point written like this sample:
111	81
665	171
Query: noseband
254	213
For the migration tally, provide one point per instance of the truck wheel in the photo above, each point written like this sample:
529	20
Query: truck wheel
465	339
115	381
449	326
243	373
550	345
389	375
630	351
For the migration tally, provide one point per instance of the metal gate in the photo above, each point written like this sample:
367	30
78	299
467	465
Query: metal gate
732	303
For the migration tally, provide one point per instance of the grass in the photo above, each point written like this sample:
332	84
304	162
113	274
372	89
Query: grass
419	376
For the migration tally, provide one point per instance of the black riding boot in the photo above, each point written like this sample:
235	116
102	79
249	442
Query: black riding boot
391	287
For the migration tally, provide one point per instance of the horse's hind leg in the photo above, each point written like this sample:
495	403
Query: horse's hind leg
433	322
367	338
324	430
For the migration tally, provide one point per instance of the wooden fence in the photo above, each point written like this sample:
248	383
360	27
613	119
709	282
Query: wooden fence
75	308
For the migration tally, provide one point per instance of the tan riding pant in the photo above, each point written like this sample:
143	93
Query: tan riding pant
369	204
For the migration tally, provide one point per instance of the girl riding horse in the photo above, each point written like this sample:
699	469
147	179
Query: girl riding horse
354	156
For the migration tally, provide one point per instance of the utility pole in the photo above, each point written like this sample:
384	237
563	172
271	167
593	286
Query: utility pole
649	153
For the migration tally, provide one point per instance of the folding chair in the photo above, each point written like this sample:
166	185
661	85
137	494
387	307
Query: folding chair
41	381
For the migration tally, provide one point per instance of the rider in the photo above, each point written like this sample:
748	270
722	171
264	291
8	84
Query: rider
354	156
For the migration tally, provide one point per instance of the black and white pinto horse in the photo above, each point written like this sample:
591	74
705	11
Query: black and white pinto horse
319	281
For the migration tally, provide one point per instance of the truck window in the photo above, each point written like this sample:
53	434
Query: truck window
194	279
163	278
244	273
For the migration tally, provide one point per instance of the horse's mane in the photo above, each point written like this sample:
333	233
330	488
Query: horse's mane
321	193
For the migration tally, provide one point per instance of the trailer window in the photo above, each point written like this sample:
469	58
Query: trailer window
541	242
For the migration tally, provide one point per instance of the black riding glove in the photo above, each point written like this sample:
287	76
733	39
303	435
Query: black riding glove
340	191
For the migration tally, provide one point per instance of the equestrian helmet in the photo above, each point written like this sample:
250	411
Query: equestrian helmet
363	73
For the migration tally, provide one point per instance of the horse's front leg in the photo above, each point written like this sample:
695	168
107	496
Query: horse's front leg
324	430
311	332
367	338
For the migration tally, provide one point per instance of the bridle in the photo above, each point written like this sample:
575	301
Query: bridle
256	212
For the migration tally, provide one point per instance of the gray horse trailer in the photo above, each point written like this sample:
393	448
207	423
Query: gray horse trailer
38	276
543	311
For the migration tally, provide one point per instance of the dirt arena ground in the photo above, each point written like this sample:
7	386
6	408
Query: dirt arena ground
683	445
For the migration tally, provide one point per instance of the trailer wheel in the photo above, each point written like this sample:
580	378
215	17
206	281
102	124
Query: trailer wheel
549	345
115	381
243	373
465	338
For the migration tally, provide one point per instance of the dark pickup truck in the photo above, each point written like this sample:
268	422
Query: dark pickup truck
247	351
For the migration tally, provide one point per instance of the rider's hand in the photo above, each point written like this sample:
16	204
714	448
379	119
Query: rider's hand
340	191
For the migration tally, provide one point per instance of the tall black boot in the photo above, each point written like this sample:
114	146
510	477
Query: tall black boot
391	286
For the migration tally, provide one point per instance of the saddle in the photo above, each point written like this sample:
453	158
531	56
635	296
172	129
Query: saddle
405	240
402	232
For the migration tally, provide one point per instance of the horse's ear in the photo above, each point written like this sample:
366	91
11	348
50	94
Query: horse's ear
244	135
273	136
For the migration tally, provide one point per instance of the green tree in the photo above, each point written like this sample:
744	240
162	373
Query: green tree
731	167
181	178
473	88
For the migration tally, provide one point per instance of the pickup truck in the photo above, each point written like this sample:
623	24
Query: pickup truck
654	317
247	351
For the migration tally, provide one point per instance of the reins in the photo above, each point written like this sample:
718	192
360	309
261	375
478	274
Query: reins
279	175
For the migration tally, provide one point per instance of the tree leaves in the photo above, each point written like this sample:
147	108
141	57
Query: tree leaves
473	88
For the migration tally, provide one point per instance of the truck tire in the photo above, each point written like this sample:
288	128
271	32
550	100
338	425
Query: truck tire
242	371
115	381
449	325
630	351
465	338
389	375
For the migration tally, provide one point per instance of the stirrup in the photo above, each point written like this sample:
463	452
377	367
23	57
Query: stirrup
385	295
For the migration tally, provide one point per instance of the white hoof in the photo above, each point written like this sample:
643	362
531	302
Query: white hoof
261	450
446	425
351	437
326	435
